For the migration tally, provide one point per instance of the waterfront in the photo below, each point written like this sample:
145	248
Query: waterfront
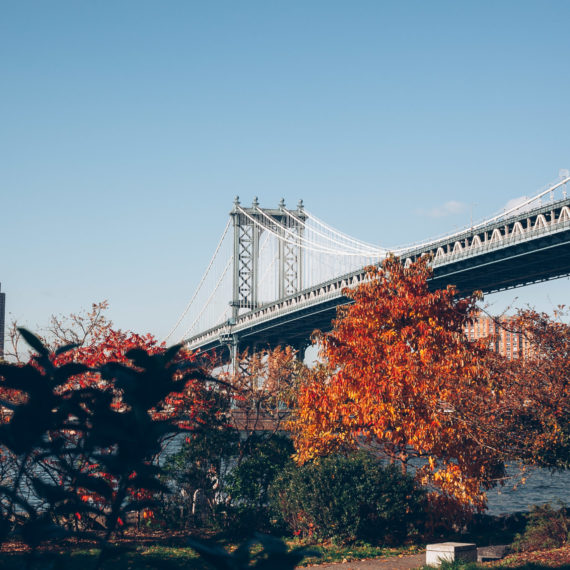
541	486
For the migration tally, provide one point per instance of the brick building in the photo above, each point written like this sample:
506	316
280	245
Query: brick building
502	336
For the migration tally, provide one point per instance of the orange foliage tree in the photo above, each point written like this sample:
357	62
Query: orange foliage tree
399	375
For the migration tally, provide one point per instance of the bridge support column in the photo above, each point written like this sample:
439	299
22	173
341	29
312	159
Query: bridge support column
291	252
250	224
245	258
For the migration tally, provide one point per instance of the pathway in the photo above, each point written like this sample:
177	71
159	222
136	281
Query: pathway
405	562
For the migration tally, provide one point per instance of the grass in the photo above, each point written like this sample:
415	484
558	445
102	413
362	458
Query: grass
359	551
181	557
178	557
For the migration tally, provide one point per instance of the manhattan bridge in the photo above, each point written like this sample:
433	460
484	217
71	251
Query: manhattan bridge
278	274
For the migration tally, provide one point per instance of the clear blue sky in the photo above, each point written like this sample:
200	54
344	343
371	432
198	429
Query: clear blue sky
127	127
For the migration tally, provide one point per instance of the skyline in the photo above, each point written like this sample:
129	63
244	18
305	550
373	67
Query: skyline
128	128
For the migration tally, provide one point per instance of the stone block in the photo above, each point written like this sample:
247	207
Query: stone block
492	553
450	551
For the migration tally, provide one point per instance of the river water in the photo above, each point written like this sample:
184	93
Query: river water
541	486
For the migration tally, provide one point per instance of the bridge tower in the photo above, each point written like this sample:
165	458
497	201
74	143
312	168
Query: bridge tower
249	224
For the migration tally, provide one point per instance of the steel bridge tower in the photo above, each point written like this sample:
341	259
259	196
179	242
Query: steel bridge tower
249	224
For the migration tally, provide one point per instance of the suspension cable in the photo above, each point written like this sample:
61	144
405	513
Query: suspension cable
209	298
359	247
478	225
342	235
201	282
298	240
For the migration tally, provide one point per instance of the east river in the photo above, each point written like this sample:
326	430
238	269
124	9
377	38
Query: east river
541	486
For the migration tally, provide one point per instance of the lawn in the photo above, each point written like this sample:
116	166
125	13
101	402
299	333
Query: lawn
133	556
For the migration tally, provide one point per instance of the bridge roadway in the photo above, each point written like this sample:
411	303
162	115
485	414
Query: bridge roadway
526	248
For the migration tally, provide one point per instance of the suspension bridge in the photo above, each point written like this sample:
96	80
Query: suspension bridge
278	274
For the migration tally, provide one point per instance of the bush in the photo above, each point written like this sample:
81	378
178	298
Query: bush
264	457
199	465
546	528
353	497
246	486
233	476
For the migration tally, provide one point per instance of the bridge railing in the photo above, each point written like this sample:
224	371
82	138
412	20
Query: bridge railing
506	241
332	289
551	227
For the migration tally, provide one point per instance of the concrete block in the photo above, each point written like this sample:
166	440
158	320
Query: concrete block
450	551
492	553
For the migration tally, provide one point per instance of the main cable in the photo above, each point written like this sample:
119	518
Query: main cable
201	282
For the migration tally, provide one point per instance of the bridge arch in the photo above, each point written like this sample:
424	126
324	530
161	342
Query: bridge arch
540	222
496	235
517	229
476	242
564	214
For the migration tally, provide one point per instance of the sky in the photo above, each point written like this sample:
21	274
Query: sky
128	127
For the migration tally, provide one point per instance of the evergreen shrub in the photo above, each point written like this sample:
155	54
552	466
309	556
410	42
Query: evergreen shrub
246	486
348	497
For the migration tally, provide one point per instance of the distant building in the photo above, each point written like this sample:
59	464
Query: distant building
503	338
2	317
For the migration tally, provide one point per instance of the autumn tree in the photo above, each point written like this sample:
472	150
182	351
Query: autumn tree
86	451
400	376
83	329
92	339
536	394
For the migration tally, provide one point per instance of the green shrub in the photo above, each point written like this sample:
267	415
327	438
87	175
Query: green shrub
263	459
246	486
353	497
234	477
547	527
